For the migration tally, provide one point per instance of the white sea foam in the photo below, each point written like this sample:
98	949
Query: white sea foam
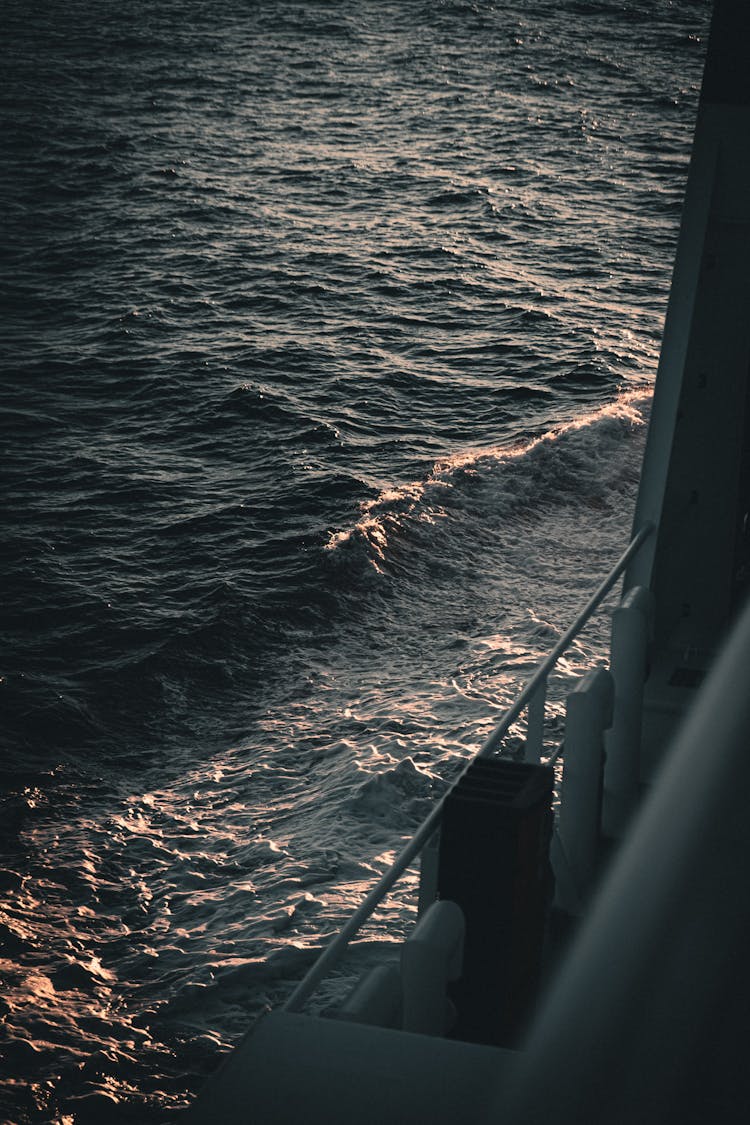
579	462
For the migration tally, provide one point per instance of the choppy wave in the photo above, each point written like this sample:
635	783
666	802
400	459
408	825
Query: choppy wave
582	462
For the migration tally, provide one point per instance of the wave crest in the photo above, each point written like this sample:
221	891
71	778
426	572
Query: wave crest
578	461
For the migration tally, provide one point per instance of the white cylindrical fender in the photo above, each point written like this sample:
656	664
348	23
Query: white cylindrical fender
589	713
631	624
431	957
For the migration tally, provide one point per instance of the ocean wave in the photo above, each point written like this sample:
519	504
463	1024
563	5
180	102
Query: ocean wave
400	795
579	462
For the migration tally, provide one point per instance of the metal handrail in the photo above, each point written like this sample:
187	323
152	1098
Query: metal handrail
337	946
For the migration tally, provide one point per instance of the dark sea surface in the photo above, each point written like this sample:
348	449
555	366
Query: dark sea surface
327	335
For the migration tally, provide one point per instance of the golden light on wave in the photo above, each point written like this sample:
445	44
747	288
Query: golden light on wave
382	516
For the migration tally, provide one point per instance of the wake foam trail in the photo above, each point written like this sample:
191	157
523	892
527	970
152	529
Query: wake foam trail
586	462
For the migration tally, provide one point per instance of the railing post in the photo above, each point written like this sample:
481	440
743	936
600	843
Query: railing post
630	633
428	874
535	724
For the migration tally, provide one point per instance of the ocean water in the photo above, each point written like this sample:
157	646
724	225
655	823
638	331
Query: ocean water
328	335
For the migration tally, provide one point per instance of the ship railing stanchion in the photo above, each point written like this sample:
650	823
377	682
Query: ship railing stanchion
535	724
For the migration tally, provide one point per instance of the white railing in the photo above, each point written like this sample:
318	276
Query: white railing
532	697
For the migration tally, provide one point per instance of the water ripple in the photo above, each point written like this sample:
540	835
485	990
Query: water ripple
327	338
